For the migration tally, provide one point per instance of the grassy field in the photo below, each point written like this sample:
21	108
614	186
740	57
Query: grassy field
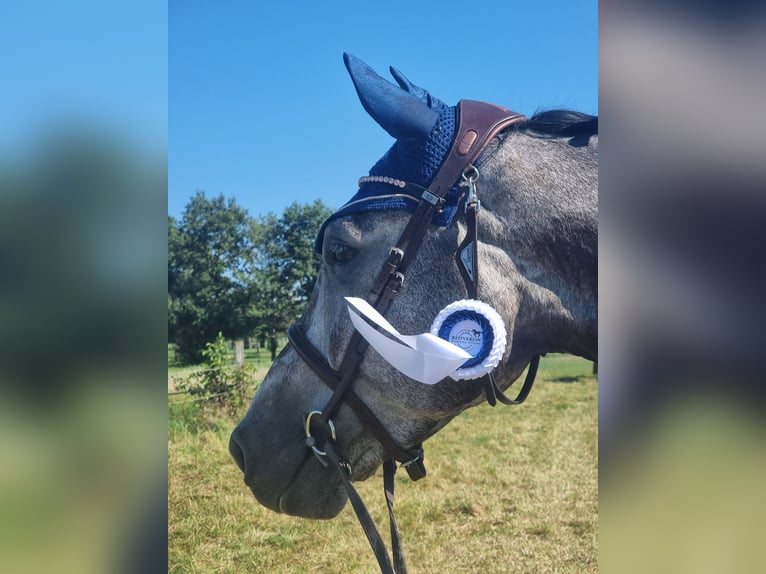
509	489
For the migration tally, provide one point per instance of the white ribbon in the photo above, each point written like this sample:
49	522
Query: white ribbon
425	358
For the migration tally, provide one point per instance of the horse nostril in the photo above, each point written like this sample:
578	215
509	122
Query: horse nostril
236	453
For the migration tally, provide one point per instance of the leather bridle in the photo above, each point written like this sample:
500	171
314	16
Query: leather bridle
477	123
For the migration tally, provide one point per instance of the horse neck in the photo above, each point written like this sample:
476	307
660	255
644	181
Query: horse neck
541	210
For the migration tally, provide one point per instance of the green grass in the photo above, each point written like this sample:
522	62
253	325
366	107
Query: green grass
509	489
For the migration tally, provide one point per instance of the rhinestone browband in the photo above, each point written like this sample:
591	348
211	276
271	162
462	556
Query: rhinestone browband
381	179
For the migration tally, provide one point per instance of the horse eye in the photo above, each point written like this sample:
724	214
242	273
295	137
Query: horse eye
339	253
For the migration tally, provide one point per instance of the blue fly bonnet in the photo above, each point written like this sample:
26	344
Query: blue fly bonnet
423	127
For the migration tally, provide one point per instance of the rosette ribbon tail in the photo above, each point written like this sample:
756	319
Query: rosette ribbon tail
425	358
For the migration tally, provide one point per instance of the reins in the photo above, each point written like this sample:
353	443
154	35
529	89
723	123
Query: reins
477	123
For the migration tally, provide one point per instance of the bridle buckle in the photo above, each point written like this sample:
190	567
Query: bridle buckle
395	251
415	467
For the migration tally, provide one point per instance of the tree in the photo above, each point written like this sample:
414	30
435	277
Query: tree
231	273
286	266
209	255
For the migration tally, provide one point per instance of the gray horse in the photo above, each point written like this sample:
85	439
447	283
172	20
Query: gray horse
538	227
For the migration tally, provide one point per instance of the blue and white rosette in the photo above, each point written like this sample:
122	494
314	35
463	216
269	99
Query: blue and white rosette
476	328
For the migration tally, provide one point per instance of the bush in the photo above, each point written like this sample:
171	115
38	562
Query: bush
220	382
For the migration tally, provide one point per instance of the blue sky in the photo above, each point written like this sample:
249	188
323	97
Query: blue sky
84	65
261	107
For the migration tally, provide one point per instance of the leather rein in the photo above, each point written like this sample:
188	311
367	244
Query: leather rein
477	124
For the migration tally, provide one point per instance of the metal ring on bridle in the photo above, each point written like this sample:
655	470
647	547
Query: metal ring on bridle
470	175
316	450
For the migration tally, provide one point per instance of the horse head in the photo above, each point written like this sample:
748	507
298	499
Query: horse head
537	253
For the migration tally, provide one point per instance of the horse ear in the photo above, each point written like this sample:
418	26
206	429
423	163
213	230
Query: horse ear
405	84
423	95
398	111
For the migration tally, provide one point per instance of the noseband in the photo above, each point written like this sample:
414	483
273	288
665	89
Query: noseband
477	123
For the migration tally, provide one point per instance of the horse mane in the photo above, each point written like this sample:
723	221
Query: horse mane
561	124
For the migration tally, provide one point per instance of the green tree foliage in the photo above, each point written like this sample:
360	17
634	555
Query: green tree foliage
233	274
209	251
286	266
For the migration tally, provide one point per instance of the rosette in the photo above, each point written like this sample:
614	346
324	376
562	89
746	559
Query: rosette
476	328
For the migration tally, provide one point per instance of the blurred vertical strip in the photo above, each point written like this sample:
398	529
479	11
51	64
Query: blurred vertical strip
83	172
682	238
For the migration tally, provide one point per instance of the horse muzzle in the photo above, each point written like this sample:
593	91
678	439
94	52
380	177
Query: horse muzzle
290	480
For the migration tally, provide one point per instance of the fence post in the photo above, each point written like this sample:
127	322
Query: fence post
239	352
